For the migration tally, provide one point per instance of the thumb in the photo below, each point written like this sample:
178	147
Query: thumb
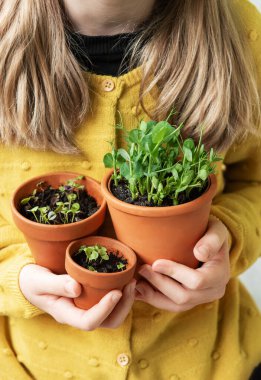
211	243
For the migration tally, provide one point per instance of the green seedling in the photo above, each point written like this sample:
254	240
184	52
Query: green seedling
65	203
159	163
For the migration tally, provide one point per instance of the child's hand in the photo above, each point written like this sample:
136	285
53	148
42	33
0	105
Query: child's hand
53	294
178	288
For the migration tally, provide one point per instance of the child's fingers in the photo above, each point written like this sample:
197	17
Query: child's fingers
210	244
151	296
119	314
64	311
211	274
43	281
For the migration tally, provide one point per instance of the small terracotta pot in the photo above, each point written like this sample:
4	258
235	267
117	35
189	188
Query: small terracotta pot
48	243
96	285
161	232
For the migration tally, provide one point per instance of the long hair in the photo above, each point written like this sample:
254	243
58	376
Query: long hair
191	51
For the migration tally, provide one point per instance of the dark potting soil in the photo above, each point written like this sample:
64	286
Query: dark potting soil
123	193
102	266
47	196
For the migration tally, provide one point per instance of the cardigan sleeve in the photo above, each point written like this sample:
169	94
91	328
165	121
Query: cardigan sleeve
239	207
14	255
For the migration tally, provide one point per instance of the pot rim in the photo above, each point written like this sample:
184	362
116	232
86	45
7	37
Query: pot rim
104	239
158	211
55	226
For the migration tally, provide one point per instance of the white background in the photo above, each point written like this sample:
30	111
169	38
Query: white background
252	277
257	3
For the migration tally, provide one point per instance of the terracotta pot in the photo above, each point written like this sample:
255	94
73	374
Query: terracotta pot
161	232
48	243
96	285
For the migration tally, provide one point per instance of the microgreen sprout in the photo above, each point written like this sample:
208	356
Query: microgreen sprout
67	204
158	163
95	255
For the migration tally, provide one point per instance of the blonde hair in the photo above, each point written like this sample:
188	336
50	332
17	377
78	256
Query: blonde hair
201	66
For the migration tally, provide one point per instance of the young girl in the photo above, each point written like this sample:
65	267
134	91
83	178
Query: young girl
68	68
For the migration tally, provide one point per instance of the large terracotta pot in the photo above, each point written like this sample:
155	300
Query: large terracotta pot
161	232
48	243
96	285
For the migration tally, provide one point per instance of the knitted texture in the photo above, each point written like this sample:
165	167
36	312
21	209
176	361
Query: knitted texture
215	341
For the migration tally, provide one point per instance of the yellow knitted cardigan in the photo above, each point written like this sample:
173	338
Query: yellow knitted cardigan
215	341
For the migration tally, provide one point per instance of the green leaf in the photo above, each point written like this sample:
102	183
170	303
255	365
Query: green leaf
178	167
203	174
147	144
189	143
91	268
175	174
25	201
138	170
187	153
75	207
94	255
181	189
51	215
202	149
34	209
120	266
187	178
123	153
105	256
134	136
108	160
155	182
143	126
160	131
125	170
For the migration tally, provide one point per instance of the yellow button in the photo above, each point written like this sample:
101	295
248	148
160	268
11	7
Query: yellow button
6	351
257	232
93	362
157	316
86	165
193	342
68	375
42	345
108	85
25	165
252	35
123	360
216	355
223	167
174	377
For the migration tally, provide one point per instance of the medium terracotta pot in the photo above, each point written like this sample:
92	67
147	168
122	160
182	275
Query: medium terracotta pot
161	232
48	243
96	285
